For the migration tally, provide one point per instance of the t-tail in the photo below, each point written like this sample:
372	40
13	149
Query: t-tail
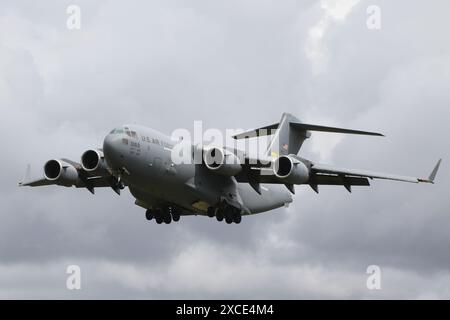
290	133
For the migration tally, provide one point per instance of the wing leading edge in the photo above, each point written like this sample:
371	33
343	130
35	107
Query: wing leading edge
326	169
84	179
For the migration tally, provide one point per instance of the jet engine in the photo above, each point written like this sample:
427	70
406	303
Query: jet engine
61	173
221	161
290	170
93	160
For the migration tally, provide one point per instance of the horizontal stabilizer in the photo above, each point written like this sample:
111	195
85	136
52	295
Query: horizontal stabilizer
263	131
290	133
313	127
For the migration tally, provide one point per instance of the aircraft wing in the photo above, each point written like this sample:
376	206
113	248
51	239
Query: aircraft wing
326	169
326	174
36	183
321	174
81	178
96	182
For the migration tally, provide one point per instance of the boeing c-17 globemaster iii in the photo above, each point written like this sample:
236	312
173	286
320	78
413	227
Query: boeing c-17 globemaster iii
232	185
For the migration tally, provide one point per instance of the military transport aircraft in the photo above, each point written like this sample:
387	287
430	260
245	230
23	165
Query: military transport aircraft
141	159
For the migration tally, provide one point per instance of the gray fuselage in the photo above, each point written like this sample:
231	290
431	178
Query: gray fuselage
142	158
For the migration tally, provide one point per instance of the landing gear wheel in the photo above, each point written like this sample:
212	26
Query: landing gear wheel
176	217
219	216
159	219
228	219
211	212
167	218
237	218
149	214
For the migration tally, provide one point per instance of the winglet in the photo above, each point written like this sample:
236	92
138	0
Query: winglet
435	170
432	174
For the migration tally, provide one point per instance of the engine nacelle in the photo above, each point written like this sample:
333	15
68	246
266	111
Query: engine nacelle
93	160
290	170
61	173
221	161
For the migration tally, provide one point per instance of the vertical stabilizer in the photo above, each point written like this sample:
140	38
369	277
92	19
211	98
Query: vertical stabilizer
287	139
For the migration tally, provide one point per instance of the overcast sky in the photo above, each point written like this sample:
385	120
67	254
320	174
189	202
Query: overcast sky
232	64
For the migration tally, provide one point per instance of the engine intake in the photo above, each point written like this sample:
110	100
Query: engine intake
221	161
290	170
93	160
60	172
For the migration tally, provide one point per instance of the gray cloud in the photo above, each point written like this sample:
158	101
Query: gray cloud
233	65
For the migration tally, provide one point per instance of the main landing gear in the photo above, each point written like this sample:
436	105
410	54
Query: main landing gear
229	213
168	214
165	214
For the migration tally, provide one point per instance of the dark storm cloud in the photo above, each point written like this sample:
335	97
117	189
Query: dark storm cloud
231	64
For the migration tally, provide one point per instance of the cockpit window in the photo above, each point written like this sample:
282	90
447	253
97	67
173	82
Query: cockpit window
126	130
131	134
117	131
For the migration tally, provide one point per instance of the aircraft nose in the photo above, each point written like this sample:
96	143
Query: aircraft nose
111	149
